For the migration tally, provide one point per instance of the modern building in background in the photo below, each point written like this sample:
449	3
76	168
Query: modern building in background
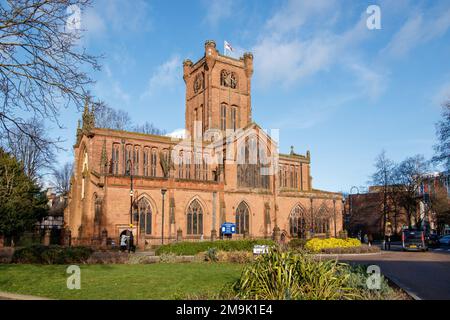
226	169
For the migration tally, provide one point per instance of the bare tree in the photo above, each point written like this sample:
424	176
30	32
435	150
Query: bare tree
442	148
61	178
107	117
117	119
31	146
409	176
42	66
384	178
148	128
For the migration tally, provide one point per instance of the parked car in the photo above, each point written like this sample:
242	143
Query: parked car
433	240
445	240
414	240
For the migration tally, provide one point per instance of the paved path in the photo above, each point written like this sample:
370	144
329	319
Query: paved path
424	275
15	296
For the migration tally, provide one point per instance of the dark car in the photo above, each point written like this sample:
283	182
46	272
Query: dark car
433	241
414	240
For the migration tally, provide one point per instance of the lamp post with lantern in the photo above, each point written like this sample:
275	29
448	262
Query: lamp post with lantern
130	171
163	192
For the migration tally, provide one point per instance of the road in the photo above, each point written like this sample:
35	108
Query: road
425	275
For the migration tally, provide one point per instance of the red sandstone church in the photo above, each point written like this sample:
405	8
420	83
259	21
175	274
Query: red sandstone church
226	169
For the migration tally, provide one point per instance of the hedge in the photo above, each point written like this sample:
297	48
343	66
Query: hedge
192	248
41	254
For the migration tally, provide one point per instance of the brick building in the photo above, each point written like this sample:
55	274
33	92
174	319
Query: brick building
364	212
226	169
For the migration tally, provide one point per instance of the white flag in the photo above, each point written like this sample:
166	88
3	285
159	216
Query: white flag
227	46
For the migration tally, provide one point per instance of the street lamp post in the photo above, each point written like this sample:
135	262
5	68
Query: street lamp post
129	164
350	200
163	192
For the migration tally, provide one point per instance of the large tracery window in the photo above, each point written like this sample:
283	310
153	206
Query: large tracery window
145	216
321	221
321	225
297	222
242	218
194	218
253	164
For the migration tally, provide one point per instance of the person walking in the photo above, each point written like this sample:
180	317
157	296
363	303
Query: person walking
387	236
370	239
123	242
132	246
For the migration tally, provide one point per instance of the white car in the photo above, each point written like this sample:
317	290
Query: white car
445	240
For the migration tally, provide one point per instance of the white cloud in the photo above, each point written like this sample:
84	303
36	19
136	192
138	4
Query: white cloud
178	133
312	112
93	24
372	83
287	61
116	16
296	13
112	89
292	48
418	29
166	76
217	10
442	95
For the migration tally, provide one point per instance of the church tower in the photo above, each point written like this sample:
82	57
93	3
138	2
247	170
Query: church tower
217	91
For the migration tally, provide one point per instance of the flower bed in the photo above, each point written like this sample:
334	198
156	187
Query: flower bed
319	245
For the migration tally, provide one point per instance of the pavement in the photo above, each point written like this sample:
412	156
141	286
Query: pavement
423	275
15	296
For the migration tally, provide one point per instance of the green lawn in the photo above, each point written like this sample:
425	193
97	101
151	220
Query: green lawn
140	281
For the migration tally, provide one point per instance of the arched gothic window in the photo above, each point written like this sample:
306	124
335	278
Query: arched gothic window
145	216
242	218
194	216
223	116
83	174
297	222
252	164
115	158
136	160
322	221
153	163
233	118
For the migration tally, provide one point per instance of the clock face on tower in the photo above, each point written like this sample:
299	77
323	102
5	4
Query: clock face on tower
198	82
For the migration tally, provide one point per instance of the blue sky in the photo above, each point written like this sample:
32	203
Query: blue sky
331	85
